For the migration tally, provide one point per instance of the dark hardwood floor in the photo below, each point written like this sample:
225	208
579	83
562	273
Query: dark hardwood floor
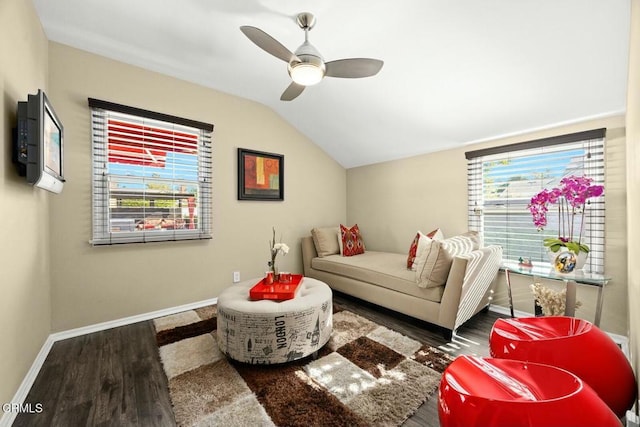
114	377
108	378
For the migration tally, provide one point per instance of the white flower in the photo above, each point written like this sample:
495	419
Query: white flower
275	249
282	247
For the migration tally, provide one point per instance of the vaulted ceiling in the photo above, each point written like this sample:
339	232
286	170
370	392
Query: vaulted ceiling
455	71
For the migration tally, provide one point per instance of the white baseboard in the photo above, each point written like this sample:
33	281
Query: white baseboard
72	333
9	417
21	394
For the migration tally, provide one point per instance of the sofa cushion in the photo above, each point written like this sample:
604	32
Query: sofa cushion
387	270
439	256
352	243
422	247
325	239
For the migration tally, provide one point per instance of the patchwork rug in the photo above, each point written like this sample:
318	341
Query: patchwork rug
366	375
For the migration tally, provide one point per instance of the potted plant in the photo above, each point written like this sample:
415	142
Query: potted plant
571	200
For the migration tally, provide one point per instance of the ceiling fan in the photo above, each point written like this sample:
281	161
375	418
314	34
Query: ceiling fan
306	65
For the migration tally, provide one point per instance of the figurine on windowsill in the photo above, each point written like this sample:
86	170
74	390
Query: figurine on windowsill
525	262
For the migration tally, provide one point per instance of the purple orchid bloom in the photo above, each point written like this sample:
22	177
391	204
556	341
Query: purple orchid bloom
571	196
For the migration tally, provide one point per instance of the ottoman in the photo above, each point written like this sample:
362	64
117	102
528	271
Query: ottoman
266	331
476	391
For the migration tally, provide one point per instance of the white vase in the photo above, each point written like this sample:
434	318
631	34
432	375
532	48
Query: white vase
582	260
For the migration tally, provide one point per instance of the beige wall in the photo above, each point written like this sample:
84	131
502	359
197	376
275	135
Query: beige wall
25	314
392	200
96	284
633	181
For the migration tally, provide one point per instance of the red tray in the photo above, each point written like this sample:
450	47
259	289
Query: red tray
276	291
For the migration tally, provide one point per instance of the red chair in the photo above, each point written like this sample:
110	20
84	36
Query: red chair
476	391
572	344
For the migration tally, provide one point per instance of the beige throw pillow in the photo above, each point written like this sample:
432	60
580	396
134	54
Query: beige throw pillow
439	257
325	240
422	250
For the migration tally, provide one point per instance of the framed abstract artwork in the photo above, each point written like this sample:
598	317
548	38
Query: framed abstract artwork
260	175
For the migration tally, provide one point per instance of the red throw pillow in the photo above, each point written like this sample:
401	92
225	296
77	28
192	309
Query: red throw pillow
413	249
432	233
352	243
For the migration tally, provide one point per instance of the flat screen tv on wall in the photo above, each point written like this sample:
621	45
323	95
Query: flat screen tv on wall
39	143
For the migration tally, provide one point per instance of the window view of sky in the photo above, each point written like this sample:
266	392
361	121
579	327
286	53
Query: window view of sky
523	177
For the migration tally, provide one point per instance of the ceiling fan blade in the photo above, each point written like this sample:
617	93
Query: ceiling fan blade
353	68
292	92
268	43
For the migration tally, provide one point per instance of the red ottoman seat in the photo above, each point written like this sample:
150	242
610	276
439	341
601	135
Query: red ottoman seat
476	391
572	344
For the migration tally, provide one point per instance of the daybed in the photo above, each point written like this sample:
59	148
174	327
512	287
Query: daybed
452	282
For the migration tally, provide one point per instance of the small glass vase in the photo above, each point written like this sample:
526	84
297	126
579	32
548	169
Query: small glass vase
273	269
268	277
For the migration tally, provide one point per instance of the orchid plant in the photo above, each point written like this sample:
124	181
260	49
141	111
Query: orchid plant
276	248
571	198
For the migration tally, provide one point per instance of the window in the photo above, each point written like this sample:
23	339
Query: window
151	176
502	180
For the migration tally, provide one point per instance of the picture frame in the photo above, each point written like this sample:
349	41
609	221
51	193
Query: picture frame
260	175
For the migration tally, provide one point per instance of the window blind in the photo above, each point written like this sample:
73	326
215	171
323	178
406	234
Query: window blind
151	176
502	181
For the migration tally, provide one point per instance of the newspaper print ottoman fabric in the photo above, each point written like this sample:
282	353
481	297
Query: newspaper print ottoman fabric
268	332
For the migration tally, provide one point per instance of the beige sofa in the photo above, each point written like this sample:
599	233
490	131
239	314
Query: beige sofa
383	278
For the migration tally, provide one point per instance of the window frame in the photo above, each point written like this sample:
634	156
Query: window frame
102	233
593	165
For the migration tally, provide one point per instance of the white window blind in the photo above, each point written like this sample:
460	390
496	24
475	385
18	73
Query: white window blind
502	181
151	176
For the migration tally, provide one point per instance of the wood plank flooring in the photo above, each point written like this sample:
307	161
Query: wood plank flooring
108	378
115	378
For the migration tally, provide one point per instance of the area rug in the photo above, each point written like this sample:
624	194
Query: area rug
366	375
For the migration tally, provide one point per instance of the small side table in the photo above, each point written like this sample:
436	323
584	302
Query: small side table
570	280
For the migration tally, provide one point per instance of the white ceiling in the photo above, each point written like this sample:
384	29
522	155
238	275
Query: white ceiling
455	72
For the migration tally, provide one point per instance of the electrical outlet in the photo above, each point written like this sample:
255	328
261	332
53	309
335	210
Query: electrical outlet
236	276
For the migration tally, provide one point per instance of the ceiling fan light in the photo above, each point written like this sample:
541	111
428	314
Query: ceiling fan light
306	74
